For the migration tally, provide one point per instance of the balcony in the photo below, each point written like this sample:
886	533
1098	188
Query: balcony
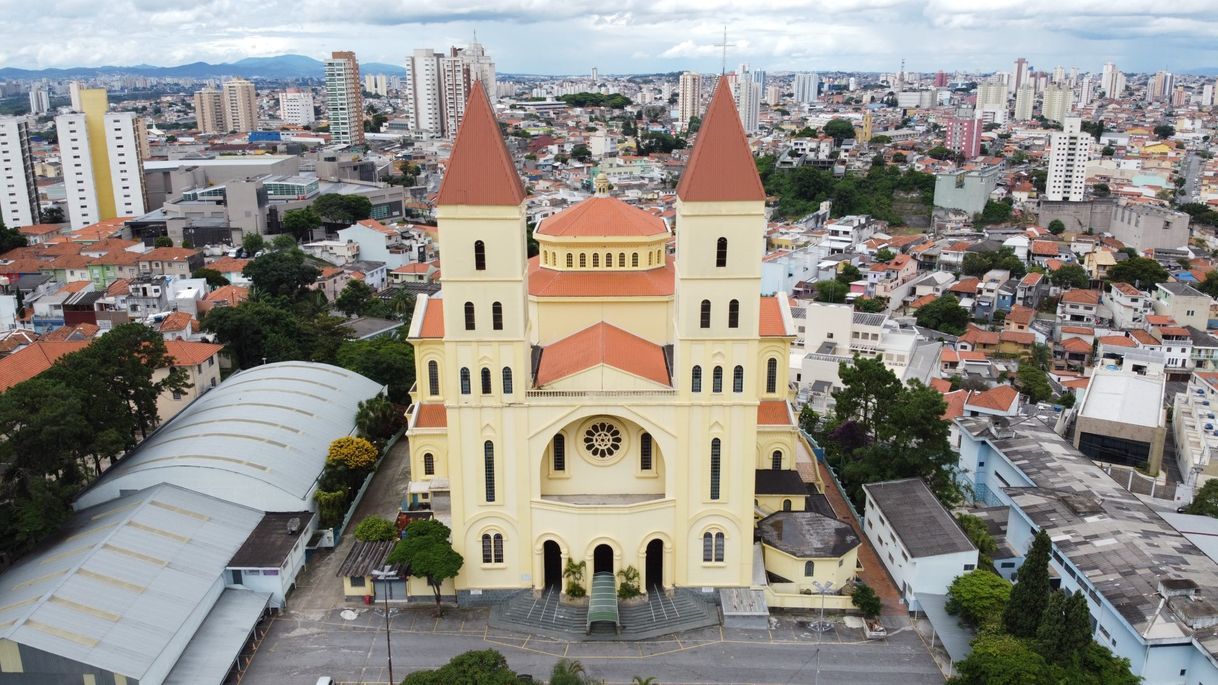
558	395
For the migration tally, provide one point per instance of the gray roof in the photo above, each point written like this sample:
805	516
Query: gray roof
259	439
1181	289
779	482
217	643
1201	338
807	534
867	319
121	579
366	557
1123	547
272	540
924	526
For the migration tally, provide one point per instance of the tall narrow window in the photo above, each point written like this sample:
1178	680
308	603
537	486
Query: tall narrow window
695	379
719	546
560	453
786	505
596	261
488	465
809	567
721	252
486	548
771	375
469	316
608	260
429	464
705	317
717	379
738	379
479	256
650	258
634	259
583	260
507	380
464	381
714	469
486	381
776	460
570	260
433	378
645	452
492	548
497	545
733	314
497	316
708	546
621	259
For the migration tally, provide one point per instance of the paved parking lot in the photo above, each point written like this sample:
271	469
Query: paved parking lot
299	648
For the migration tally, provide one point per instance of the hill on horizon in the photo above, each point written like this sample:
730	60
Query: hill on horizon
277	67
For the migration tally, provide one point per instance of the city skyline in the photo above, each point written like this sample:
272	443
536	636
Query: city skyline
848	35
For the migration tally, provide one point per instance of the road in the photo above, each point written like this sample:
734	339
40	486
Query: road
1191	169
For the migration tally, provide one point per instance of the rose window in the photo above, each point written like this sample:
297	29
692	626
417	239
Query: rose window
602	439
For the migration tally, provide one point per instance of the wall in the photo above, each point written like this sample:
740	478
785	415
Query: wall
1142	227
835	570
932	574
1077	216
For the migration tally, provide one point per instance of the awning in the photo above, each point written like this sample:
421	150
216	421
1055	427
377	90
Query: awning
949	630
213	650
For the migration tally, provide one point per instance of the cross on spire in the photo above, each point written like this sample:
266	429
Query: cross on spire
725	45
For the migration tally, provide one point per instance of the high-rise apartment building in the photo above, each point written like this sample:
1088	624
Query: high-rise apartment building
74	94
240	106
1112	81
940	79
437	86
40	100
1059	74
758	78
377	84
1084	91
1025	97
296	107
963	132
1069	151
102	161
1207	95
773	95
18	191
992	94
1019	75
210	111
807	87
747	94
1160	86
424	105
689	97
344	99
1056	103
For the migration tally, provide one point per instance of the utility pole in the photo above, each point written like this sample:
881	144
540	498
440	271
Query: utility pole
384	575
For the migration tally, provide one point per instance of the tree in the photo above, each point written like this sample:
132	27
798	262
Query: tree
375	529
1142	272
938	152
356	298
256	331
1164	131
884	255
808	419
570	672
866	601
53	215
871	305
377	419
252	243
282	274
333	208
1205	500
1070	276
581	153
214	278
283	242
1065	628
428	553
881	140
163	241
979	263
848	274
839	130
830	291
356	454
980	536
1030	595
944	314
1101	190
1034	383
994	213
1095	128
386	360
999	659
695	123
11	238
1056	227
979	597
301	222
482	667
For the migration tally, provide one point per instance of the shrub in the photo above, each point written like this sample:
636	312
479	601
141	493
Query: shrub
978	597
866	601
331	505
356	454
375	529
629	587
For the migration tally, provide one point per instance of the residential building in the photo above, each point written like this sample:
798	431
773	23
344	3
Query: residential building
240	106
689	98
296	107
1112	81
1020	75
423	90
1160	86
40	101
344	99
1025	98
1183	303
992	94
963	132
102	162
807	87
969	190
201	363
1121	418
1129	306
1078	306
1144	227
747	93
210	111
19	204
1056	102
1069	151
458	72
1195	427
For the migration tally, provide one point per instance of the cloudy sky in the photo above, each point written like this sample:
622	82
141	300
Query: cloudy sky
572	36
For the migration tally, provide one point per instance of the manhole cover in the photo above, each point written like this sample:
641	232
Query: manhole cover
348	615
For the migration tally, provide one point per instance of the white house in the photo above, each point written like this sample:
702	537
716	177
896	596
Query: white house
380	243
273	555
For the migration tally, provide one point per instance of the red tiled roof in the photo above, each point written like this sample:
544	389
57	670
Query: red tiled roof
773	413
1076	383
431	415
189	352
433	320
1018	337
999	397
177	321
81	331
656	282
1021	315
168	254
602	216
30	361
1079	296
1045	248
229	265
977	336
1076	345
602	344
941	384
40	229
721	167
1032	279
480	170
955	403
1116	341
1144	337
377	226
770	323
232	294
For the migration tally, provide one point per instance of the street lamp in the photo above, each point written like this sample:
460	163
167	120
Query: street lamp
384	575
823	589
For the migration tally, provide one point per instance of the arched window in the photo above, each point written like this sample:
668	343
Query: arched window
776	460
809	567
507	380
705	315
645	452
717	379
496	316
634	259
583	260
433	378
738	379
712	546
570	260
786	505
429	464
469	316
719	546
492	548
608	260
771	375
695	379
486	381
464	381
714	469
479	256
621	259
488	465
560	453
721	252
596	261
733	314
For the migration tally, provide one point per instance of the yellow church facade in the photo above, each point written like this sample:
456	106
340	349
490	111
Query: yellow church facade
604	401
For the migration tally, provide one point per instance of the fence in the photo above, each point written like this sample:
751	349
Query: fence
820	455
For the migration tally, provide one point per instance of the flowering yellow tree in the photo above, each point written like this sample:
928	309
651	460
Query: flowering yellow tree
356	454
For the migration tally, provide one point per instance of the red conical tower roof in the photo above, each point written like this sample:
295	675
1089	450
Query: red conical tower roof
480	170
721	167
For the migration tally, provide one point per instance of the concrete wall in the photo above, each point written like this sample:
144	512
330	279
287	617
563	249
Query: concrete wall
1077	216
1143	227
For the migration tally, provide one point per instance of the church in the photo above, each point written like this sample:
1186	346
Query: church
606	401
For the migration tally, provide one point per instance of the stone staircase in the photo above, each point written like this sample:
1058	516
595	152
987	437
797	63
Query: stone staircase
661	613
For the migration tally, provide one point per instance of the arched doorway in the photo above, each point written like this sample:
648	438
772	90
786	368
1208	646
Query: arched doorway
654	576
602	559
552	564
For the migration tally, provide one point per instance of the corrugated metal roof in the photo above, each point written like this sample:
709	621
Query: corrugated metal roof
218	642
259	439
123	578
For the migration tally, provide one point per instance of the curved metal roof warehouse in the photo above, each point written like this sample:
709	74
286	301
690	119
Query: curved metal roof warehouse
259	439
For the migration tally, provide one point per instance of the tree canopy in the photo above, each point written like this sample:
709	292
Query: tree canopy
429	554
1030	595
1142	272
385	359
611	100
281	274
342	209
1205	500
801	190
839	130
831	290
1056	227
943	314
979	263
979	597
1070	276
482	667
299	223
